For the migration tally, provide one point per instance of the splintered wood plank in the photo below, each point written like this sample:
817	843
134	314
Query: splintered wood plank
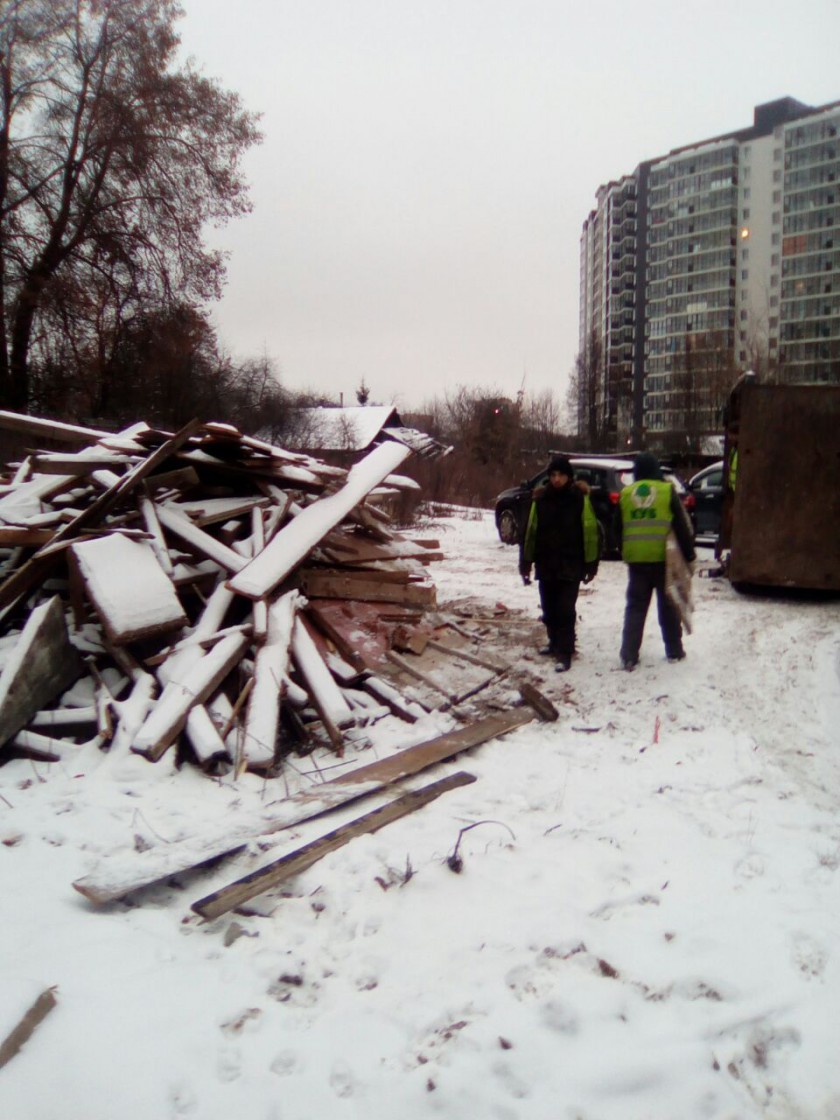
42	665
295	540
132	870
129	590
221	901
358	629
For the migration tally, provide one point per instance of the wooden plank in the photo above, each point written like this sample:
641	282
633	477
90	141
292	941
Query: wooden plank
34	571
80	465
50	429
199	682
43	665
457	651
363	575
142	869
198	540
221	901
21	537
354	629
295	540
21	1034
334	585
131	593
414	671
181	478
325	694
259	730
414	759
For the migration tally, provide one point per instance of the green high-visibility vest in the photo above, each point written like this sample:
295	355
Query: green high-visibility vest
645	520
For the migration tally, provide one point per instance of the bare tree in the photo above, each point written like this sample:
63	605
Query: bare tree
587	398
112	159
700	382
542	423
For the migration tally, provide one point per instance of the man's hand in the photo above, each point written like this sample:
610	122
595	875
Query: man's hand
525	572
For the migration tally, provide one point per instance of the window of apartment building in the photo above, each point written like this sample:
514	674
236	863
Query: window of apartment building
777	217
777	197
774	260
774	281
777	176
774	322
775	239
774	302
744	316
745	254
745	274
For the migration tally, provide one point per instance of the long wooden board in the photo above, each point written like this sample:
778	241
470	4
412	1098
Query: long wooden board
279	870
134	870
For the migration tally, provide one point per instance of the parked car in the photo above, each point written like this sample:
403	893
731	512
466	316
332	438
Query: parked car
707	489
606	477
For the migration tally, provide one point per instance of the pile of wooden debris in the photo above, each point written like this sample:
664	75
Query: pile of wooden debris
209	592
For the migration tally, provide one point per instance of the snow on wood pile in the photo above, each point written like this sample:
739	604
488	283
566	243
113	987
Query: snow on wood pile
203	592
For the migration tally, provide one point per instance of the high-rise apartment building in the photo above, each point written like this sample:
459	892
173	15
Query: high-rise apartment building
721	256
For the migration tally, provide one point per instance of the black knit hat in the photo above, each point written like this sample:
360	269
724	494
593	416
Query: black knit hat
561	463
646	466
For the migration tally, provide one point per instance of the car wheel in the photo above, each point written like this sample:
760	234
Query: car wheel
508	529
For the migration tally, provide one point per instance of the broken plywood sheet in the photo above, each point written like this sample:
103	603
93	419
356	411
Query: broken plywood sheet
129	590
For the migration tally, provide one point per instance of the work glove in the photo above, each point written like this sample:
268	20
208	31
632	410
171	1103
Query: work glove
589	573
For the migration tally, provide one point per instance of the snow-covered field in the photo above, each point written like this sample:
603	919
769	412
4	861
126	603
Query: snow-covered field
646	925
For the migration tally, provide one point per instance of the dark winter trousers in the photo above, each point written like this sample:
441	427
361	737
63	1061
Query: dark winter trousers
558	598
643	580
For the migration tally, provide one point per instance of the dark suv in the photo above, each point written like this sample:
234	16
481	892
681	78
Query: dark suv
606	477
707	489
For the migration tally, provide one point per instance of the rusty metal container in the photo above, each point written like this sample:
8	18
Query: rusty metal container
781	513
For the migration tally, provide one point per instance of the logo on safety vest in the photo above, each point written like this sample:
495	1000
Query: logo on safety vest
643	498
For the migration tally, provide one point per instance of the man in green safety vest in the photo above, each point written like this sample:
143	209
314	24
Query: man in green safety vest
563	540
649	508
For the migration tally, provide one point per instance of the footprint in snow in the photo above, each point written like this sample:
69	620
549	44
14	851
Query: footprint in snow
342	1081
808	956
182	1099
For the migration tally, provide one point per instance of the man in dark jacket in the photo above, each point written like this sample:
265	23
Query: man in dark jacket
649	509
562	540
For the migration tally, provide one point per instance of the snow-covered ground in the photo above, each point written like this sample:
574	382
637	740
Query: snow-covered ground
645	927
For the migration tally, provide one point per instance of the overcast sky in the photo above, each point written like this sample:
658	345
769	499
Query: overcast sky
428	164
